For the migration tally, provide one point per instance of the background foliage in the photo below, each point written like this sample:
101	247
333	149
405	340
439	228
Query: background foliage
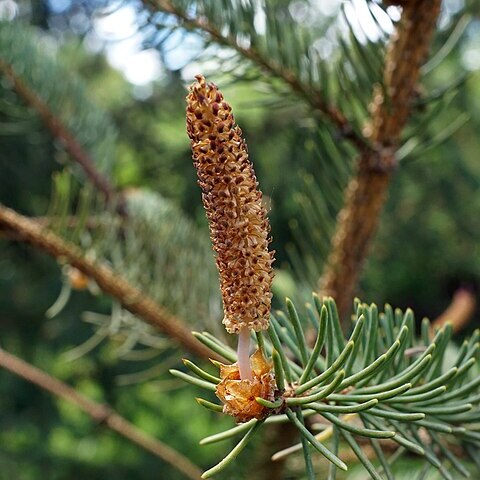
427	245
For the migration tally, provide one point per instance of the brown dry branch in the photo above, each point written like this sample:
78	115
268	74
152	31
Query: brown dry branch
312	96
60	131
71	221
99	413
367	191
135	301
459	312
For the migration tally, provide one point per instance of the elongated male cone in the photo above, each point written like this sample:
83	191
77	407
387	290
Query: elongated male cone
239	227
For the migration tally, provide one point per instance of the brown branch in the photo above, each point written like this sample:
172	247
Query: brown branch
459	312
110	282
71	221
313	96
99	413
60	131
367	191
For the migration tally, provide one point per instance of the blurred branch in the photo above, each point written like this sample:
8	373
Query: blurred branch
312	96
110	282
71	221
367	191
459	312
60	131
99	413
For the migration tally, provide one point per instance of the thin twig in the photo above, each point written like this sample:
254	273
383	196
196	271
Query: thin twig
100	413
110	282
312	96
60	131
367	191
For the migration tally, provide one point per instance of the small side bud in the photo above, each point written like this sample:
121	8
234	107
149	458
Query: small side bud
239	396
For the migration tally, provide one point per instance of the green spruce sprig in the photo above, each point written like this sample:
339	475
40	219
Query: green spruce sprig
380	382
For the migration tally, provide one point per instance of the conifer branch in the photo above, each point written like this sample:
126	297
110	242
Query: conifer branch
60	131
367	191
110	282
381	382
99	413
312	96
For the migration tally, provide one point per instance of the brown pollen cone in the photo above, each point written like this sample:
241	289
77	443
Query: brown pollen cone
239	396
239	227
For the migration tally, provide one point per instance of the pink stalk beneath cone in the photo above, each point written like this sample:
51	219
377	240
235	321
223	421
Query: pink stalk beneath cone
243	354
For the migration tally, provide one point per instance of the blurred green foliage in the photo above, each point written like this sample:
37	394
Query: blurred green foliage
428	243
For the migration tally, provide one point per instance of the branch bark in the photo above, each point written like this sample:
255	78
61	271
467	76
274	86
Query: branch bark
99	413
460	311
110	282
367	191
